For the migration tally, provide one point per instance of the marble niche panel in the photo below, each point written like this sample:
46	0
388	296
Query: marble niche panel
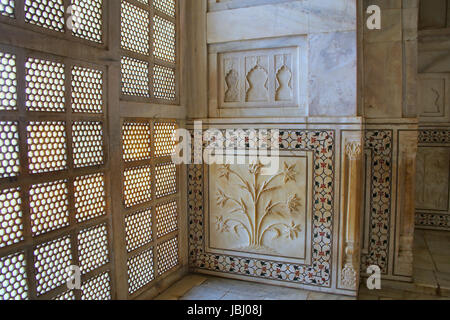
248	77
262	216
260	78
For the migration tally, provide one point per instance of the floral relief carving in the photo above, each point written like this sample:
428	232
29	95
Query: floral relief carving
274	217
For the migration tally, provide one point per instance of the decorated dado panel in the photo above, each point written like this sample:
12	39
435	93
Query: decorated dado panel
278	226
432	179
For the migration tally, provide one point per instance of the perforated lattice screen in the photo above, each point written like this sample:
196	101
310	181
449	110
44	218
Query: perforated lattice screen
45	85
13	278
9	149
149	43
97	288
57	177
11	224
164	39
87	19
140	270
81	19
49	207
93	248
138	228
167	255
54	213
135	24
166	218
87	90
90	197
47	150
7	8
135	77
150	220
45	13
136	141
8	81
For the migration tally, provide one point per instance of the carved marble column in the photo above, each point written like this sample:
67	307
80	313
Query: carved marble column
352	198
406	201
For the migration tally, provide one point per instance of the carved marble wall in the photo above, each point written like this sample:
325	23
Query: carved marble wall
293	65
282	58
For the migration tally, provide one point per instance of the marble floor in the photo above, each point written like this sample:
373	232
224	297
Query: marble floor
431	280
431	271
203	287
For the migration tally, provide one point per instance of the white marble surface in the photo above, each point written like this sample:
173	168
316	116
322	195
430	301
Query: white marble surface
332	74
281	19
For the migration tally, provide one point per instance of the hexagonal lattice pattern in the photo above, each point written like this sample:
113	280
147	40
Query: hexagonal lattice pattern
165	179
9	149
87	143
163	82
97	288
45	13
163	39
44	85
46	146
138	228
136	141
140	270
87	90
90	197
166	218
135	24
137	186
7	8
93	248
8	81
49	207
135	77
51	262
164	139
167	255
166	6
87	19
13	279
66	296
11	227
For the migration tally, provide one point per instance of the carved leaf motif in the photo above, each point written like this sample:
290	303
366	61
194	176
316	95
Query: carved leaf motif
221	198
293	203
292	231
289	172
